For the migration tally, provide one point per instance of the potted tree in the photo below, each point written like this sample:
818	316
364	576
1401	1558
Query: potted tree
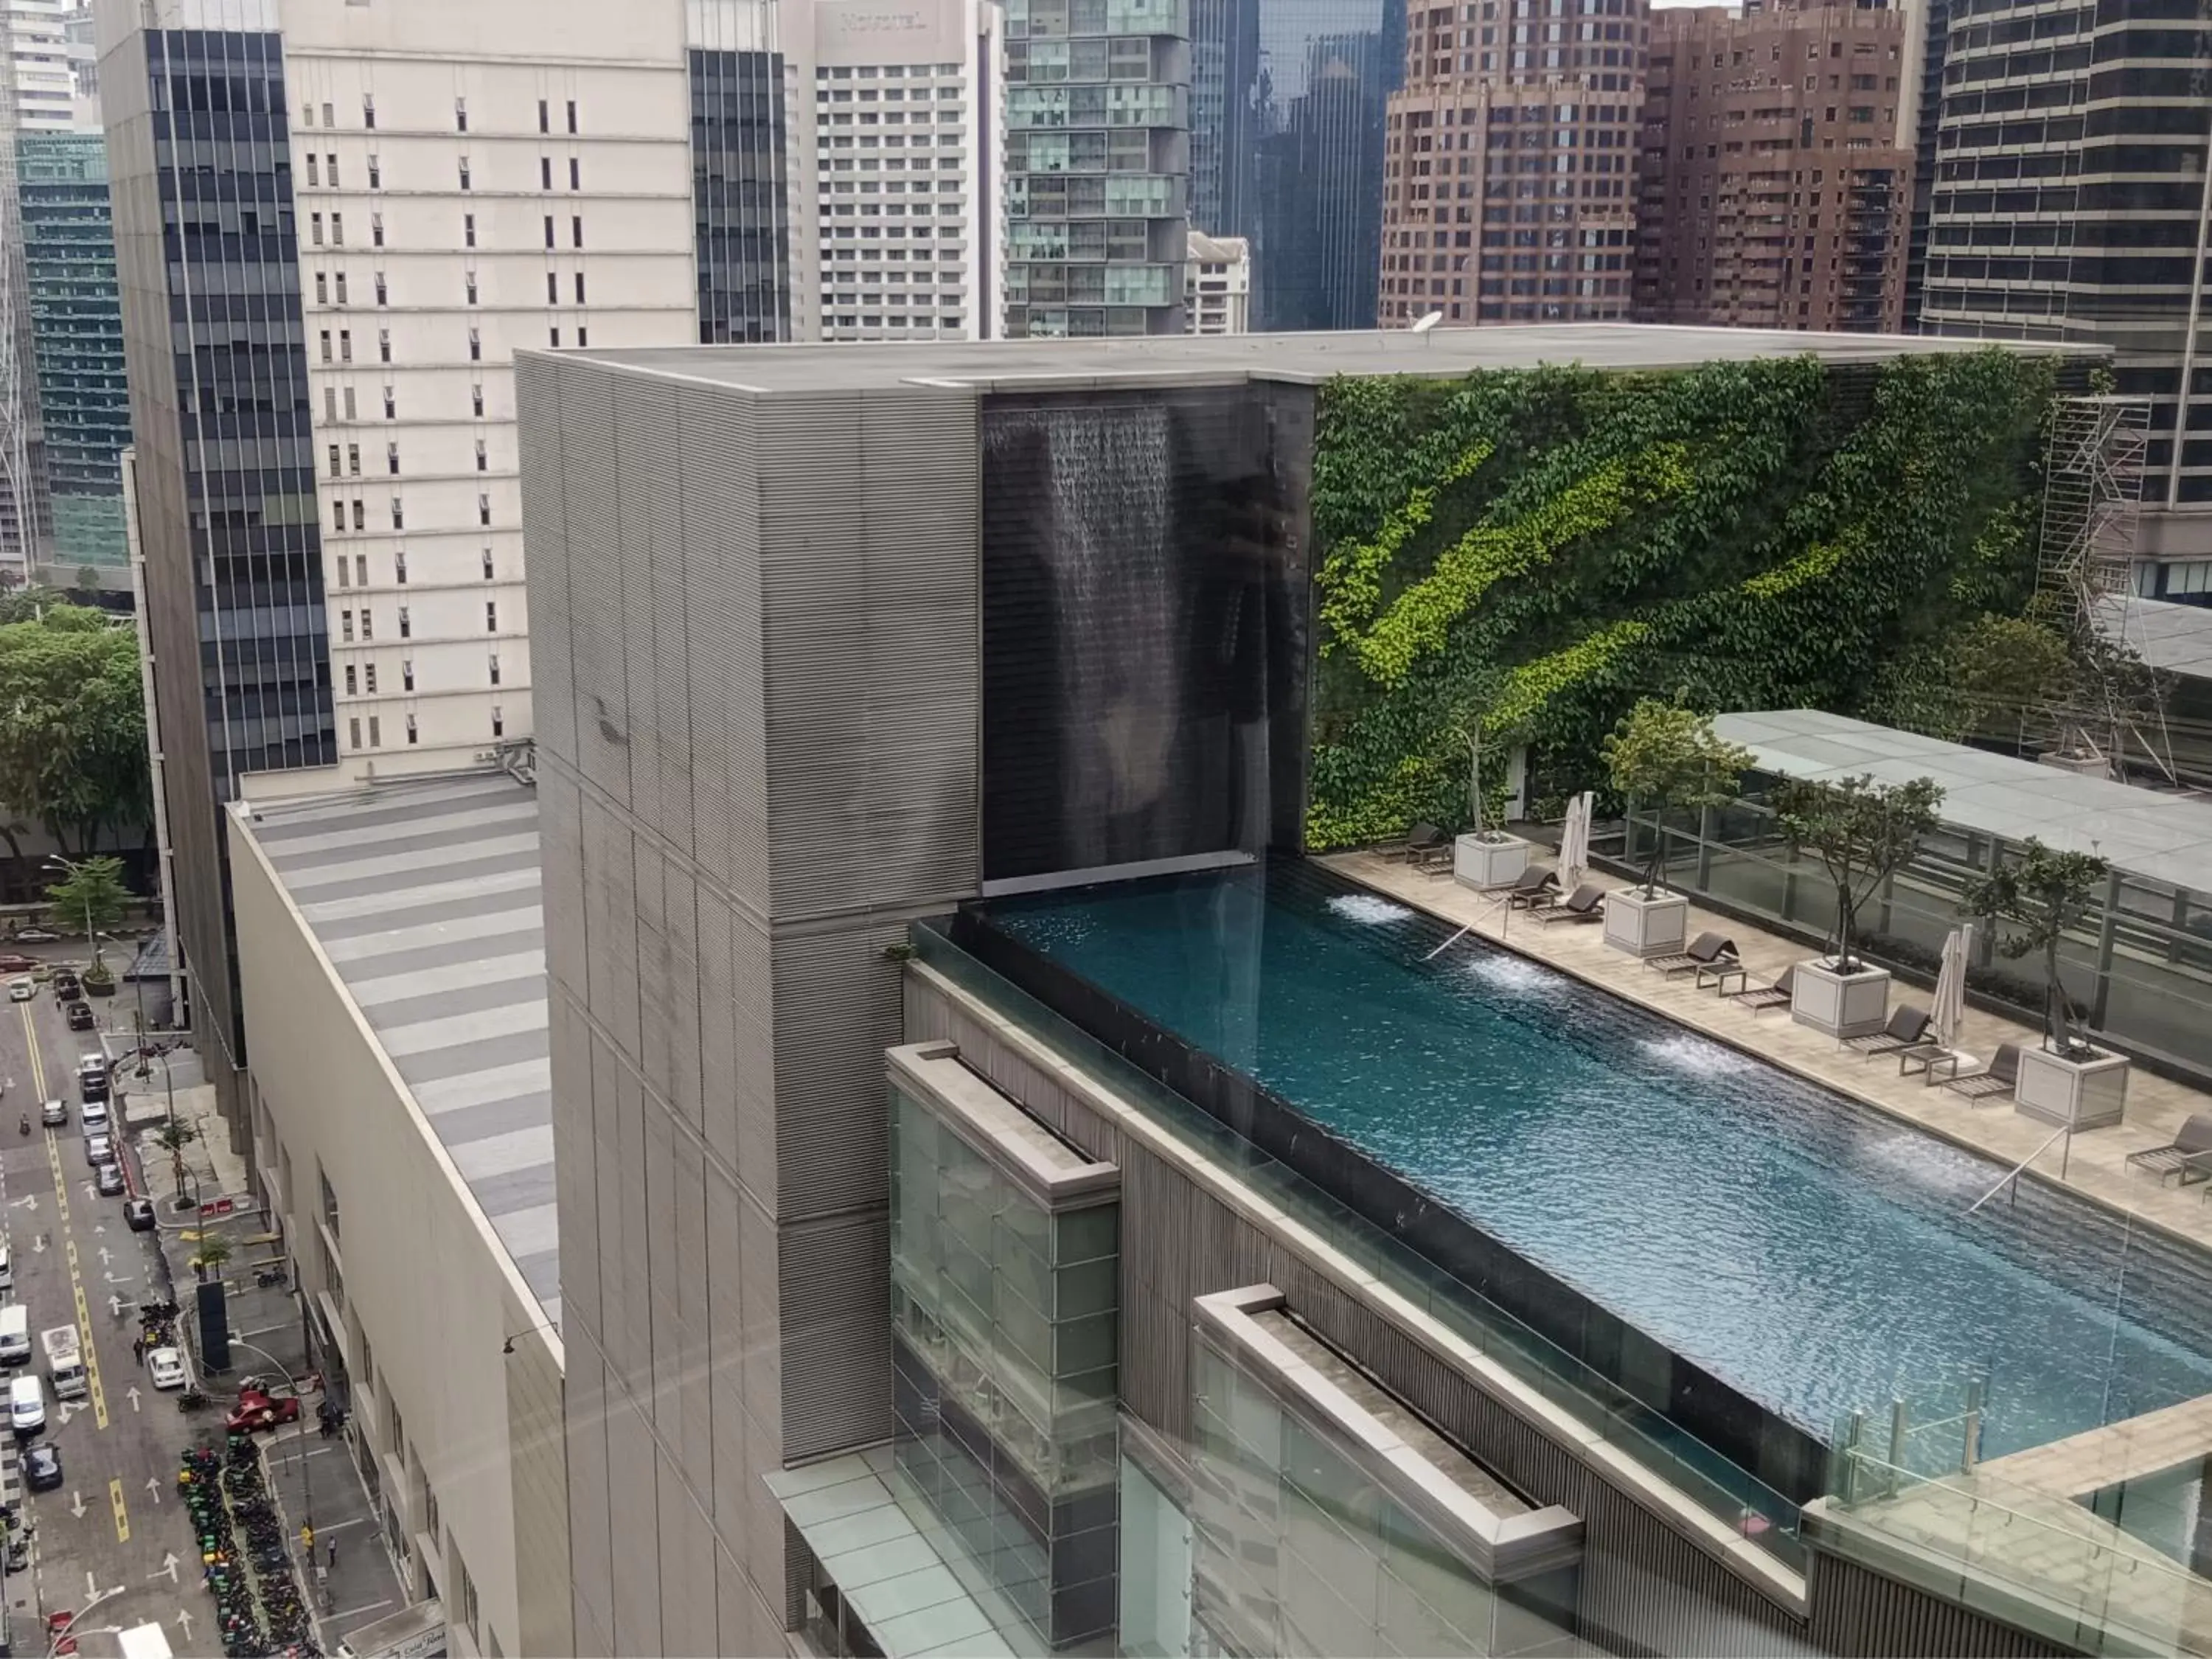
1665	756
1863	832
2039	897
91	891
211	1257
1484	857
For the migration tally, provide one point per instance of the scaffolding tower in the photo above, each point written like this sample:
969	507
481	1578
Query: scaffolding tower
2092	500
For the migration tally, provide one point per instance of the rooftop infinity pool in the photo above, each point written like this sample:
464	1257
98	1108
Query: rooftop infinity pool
1798	1246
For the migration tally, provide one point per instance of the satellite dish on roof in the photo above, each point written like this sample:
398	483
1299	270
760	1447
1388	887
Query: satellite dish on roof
1424	324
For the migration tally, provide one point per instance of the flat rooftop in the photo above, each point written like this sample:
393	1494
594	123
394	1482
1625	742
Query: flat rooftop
2149	832
426	895
1031	365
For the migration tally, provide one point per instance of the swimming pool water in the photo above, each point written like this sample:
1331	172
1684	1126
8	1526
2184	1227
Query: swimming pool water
1799	1247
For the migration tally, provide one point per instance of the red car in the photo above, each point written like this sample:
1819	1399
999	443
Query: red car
256	1410
11	963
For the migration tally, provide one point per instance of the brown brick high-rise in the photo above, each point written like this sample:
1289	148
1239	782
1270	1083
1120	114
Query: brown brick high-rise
1775	180
1509	192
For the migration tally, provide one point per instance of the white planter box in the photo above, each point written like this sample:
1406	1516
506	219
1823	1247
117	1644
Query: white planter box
2083	1094
1496	861
1842	1004
1646	927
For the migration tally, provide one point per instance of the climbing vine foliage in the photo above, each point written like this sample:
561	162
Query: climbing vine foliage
1536	550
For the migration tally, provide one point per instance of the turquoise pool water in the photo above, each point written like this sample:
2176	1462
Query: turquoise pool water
1811	1254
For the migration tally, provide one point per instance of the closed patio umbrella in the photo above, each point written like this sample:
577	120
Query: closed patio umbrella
1574	841
1949	1010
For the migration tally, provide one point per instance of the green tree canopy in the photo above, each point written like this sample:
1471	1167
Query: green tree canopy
91	896
1665	756
1860	831
2040	896
72	725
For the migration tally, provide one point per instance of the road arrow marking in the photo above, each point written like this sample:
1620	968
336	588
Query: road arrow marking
154	1489
99	1227
91	1587
103	1256
38	1245
30	1203
184	1619
120	1278
115	1305
68	1410
132	1394
76	1509
168	1567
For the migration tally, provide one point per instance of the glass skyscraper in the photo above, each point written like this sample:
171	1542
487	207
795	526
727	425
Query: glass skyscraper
1288	100
739	195
84	397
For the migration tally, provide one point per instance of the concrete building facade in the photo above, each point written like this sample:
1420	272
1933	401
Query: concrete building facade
1776	183
402	1149
1218	290
1509	191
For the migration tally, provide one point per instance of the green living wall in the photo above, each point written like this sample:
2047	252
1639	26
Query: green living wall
1542	547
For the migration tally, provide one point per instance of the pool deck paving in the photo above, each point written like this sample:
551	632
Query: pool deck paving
2092	1163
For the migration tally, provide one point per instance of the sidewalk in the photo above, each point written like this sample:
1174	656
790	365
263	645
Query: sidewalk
315	1483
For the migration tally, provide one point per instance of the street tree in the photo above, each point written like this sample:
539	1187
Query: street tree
72	726
1863	832
2041	896
1666	757
210	1257
173	1137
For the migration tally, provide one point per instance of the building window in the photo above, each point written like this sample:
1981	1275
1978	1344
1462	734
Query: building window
476	346
460	115
384	345
576	173
345	627
349	404
576	230
579	287
368	111
465	173
352	682
315	228
483	508
330	403
495	668
476	397
472	287
399	566
383	297
407	631
345	345
307	118
368	678
338	230
337	515
548	230
583	336
545	172
361	573
312	177
572	115
544	116
344	579
483	459
390	404
367	623
552	288
340	287
469	230
411	738
498	721
399	514
391	458
491	615
406	664
376	230
375	733
554	336
375	174
322	289
360	515
353	732
353	459
330	118
334	460
487	564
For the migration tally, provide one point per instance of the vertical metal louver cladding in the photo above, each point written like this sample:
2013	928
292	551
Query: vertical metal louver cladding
1936	44
740	197
2070	201
1286	150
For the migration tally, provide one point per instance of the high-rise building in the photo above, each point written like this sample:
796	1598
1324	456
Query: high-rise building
1509	191
2071	202
1930	28
1219	295
1097	166
1775	185
84	397
1288	99
907	111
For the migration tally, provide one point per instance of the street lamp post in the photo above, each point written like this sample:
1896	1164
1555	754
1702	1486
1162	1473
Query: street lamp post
56	1637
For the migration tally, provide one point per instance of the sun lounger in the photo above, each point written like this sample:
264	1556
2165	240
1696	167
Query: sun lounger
1425	845
1706	950
1907	1027
1585	903
2188	1155
1994	1080
1759	998
1537	890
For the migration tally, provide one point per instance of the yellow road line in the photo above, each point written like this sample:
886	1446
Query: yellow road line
31	1042
99	1394
122	1515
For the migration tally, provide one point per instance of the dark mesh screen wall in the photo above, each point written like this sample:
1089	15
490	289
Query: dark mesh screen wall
1144	625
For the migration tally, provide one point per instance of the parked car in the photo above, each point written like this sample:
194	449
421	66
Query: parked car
42	1466
99	1150
109	1181
33	936
54	1114
13	962
81	1018
21	990
139	1213
167	1366
256	1410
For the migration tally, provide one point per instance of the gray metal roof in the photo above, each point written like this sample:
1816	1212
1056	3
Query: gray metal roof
2166	837
1017	365
2176	638
426	896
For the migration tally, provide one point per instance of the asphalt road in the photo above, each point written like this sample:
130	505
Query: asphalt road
114	1530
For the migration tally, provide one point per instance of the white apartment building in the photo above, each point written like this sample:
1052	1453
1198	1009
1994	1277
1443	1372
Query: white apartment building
42	86
906	108
1218	289
469	179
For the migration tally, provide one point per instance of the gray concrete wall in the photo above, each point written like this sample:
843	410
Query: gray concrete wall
754	638
424	1278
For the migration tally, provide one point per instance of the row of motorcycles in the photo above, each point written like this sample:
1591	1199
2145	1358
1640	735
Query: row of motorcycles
244	1558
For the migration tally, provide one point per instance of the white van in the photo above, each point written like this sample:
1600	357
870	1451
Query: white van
15	1335
92	1117
26	1406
